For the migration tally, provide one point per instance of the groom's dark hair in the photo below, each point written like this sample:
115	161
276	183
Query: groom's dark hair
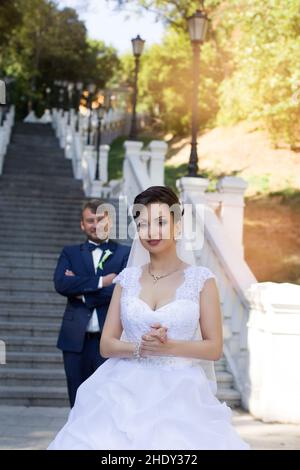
162	194
92	204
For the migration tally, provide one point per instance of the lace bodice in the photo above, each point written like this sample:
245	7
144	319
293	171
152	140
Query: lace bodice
180	316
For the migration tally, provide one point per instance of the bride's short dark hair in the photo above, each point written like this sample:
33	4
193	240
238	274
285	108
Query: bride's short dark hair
162	194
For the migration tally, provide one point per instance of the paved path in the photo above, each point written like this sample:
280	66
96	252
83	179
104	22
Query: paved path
35	427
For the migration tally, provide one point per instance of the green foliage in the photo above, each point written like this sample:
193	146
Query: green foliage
265	46
250	67
45	44
165	82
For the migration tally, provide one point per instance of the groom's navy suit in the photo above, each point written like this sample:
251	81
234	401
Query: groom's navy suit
74	341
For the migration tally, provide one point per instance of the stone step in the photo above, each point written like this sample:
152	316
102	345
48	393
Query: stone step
57	396
28	264
34	360
32	377
35	179
20	273
67	229
47	171
40	160
37	190
42	209
43	314
230	396
29	343
41	247
34	396
224	379
72	237
11	201
45	153
52	377
72	188
37	329
57	210
51	200
13	296
29	259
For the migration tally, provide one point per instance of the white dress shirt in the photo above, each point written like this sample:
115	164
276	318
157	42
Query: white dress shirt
93	325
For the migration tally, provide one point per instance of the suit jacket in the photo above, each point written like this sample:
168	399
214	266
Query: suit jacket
79	259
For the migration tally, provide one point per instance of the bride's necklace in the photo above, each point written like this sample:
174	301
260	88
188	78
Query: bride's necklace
157	277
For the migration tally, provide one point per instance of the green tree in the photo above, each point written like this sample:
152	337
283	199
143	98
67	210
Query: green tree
265	45
47	44
252	51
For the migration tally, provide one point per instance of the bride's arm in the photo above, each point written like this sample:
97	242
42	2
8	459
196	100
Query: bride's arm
210	347
110	343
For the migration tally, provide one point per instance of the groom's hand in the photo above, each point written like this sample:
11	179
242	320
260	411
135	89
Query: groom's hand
68	272
108	279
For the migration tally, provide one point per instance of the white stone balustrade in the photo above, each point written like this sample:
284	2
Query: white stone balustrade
5	134
142	168
71	130
217	250
274	351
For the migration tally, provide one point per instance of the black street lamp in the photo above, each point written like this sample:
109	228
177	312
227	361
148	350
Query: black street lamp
48	100
79	88
100	115
2	101
137	48
91	91
197	24
70	88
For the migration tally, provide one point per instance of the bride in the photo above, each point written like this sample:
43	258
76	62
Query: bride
162	332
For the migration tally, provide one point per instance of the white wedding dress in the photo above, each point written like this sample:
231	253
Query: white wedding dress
156	402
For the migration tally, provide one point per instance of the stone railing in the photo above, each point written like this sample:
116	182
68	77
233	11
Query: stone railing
72	131
261	321
142	168
219	219
273	382
6	124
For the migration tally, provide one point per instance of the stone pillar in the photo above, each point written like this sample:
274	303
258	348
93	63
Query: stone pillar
193	186
232	190
192	194
103	163
274	351
132	152
158	150
88	168
96	189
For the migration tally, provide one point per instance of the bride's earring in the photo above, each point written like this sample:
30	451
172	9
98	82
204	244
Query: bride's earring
177	235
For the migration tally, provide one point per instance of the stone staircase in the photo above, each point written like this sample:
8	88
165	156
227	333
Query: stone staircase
40	212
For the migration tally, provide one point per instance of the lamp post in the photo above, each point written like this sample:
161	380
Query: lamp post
2	100
79	87
100	115
48	93
70	88
197	24
91	91
137	48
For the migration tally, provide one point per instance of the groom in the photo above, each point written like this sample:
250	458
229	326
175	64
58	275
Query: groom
84	275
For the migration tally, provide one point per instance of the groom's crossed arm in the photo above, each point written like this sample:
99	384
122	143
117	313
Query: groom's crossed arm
103	296
72	286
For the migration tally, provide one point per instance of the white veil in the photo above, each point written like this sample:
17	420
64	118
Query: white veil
185	247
